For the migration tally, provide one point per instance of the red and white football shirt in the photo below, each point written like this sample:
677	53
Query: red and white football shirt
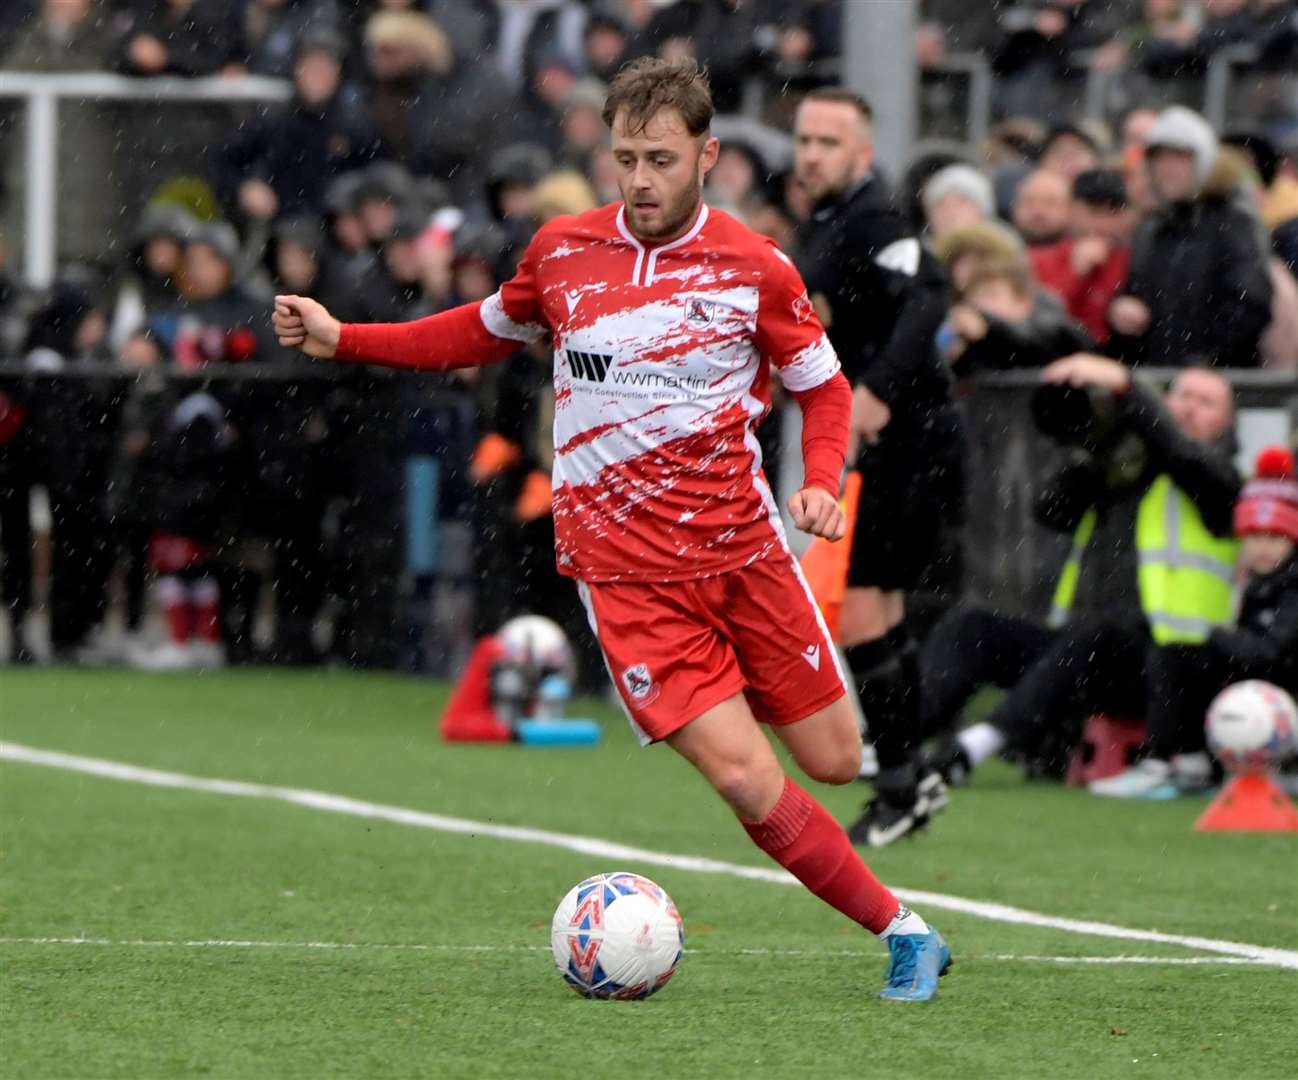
662	359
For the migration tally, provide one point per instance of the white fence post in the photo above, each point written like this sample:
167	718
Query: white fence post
40	247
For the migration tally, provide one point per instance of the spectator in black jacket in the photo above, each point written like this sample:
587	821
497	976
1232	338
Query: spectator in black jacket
1091	656
282	162
1263	643
180	37
1198	283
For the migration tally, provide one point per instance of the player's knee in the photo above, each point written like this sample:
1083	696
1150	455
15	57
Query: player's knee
839	765
749	789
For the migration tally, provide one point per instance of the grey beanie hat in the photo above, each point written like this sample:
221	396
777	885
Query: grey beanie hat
1179	128
960	180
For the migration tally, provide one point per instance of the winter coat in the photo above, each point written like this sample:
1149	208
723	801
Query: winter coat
299	151
199	41
1046	335
1264	640
1201	269
1086	296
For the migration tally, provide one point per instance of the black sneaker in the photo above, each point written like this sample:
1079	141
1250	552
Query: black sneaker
930	793
902	805
883	822
951	763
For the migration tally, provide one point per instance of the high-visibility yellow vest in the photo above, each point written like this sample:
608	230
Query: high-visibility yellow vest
1187	575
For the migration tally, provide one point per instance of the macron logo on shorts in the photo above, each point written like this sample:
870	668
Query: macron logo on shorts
811	654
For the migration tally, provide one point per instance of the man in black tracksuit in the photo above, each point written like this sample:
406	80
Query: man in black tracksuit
882	297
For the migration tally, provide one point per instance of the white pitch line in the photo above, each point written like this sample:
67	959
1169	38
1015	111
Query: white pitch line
604	849
804	954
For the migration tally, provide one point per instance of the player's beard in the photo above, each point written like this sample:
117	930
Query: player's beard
672	219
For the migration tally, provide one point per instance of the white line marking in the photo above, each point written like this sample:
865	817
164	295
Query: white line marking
806	954
604	849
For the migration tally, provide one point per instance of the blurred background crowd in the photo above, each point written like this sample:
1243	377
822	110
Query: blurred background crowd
419	145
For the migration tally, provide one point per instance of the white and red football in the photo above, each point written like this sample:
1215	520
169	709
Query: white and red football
617	936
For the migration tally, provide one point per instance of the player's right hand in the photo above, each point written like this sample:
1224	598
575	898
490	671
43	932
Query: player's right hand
301	323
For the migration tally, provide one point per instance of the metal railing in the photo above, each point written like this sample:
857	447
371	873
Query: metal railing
43	93
1221	73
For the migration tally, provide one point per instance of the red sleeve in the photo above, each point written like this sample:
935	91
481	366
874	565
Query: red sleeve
788	332
450	339
465	336
826	420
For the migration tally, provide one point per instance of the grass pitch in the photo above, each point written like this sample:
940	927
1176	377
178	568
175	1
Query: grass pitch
233	937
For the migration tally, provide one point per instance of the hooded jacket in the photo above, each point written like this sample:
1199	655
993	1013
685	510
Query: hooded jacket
1264	641
1200	268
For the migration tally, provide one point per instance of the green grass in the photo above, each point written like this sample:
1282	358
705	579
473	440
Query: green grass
83	856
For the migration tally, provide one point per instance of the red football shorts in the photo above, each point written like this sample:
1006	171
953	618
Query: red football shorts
676	649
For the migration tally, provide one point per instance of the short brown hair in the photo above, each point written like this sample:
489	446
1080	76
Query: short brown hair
841	95
649	84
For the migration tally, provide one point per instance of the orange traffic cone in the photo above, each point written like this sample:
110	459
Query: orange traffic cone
824	565
1250	802
469	715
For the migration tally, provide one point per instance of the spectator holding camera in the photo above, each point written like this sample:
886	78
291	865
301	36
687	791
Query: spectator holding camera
1147	493
1198	284
1263	643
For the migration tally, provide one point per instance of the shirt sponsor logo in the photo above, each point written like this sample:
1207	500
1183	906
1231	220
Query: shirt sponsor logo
592	367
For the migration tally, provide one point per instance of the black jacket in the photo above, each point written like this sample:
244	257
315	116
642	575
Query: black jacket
1046	335
882	297
1201	269
1264	641
299	151
1113	484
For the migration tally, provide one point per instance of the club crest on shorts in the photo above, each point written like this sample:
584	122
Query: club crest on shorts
699	314
640	686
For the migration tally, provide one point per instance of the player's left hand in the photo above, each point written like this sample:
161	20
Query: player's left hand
817	512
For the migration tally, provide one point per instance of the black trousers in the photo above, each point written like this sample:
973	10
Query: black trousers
15	545
1055	678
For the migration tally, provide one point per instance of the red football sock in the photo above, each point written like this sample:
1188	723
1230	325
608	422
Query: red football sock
207	611
800	835
179	613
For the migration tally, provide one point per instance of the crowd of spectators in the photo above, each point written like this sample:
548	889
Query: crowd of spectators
423	144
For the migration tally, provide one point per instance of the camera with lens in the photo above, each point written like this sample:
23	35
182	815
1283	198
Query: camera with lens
1082	416
1087	419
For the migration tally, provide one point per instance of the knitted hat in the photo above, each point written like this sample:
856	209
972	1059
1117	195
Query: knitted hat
960	180
1179	128
1269	503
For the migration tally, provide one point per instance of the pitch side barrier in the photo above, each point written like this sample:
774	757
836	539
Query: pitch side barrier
333	440
321	455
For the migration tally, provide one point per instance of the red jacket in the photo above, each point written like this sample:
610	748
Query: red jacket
1087	298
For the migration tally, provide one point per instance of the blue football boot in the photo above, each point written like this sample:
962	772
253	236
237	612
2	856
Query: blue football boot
918	961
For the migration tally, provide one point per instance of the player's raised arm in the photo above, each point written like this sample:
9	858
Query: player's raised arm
456	338
470	335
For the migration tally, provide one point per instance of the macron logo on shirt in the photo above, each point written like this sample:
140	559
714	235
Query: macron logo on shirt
589	366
